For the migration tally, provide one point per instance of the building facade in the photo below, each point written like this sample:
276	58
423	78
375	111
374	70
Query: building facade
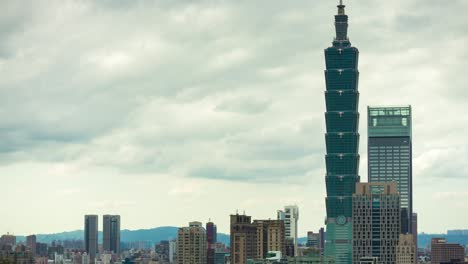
376	221
322	239
41	249
111	234
406	251
390	154
91	236
290	216
31	244
270	237
313	239
8	240
172	251
243	239
442	252
191	244
342	140
211	239
414	232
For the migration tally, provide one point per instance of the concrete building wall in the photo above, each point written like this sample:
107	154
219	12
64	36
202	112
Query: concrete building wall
406	251
376	221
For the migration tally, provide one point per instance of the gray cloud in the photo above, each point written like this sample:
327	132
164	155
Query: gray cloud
226	92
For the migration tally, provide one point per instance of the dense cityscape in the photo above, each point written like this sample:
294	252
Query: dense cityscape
370	222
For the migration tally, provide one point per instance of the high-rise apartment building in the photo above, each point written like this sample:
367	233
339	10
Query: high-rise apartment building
243	239
342	140
270	237
406	251
290	216
111	234
441	251
376	221
91	236
191	244
390	154
31	244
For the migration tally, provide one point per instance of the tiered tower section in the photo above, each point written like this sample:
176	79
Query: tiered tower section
342	140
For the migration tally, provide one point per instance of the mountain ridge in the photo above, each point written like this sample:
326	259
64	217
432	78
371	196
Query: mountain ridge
157	234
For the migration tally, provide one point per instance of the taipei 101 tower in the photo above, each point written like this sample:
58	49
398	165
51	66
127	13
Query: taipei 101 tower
342	140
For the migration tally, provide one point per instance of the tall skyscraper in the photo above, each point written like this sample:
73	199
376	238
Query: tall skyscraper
191	244
91	236
342	140
376	221
290	216
111	233
390	152
211	238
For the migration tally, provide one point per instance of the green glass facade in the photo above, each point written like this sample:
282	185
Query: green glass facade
390	154
342	140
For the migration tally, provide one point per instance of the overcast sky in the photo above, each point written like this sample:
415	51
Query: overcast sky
170	111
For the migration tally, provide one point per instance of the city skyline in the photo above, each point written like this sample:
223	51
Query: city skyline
183	103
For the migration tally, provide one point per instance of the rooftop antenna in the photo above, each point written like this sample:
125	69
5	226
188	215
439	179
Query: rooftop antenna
341	8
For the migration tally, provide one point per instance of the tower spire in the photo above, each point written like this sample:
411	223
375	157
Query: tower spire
341	24
341	8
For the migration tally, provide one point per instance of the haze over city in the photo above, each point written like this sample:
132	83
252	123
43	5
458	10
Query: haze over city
165	112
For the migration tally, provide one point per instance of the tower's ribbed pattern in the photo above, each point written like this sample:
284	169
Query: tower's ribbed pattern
342	139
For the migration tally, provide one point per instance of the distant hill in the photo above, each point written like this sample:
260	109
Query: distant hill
155	235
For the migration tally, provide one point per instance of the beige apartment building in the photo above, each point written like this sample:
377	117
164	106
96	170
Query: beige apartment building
406	252
253	240
191	244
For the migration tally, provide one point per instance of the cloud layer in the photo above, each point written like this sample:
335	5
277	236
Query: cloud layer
172	111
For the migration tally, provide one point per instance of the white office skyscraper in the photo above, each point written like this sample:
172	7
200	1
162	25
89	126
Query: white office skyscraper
290	216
